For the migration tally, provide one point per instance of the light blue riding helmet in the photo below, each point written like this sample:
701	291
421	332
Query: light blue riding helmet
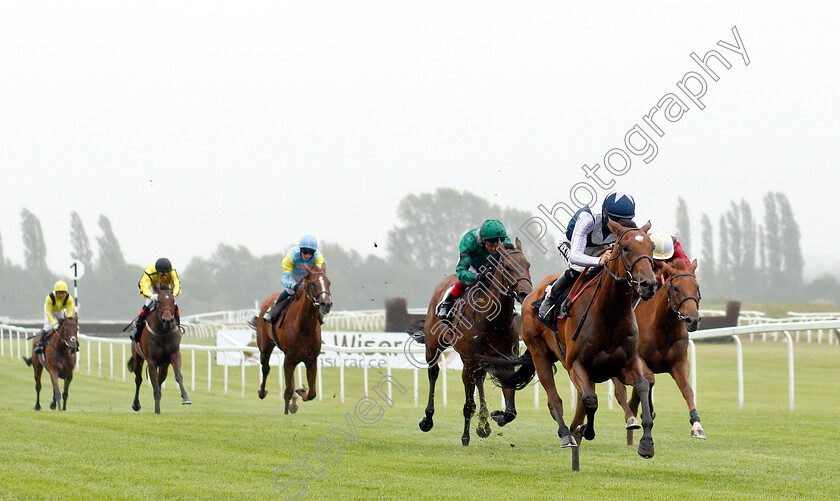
308	242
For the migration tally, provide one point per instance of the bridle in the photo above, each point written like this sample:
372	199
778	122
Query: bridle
515	280
72	343
672	296
162	309
627	269
313	298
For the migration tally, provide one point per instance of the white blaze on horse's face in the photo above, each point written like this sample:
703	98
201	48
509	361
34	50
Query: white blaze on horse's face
639	238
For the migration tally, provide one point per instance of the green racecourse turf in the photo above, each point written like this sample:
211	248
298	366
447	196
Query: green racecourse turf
225	446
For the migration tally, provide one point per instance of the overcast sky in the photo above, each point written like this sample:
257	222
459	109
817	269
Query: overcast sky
191	124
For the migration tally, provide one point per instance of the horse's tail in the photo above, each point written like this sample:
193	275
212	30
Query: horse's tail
502	373
415	330
28	361
253	322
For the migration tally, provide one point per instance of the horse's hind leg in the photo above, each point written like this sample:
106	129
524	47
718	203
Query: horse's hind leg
483	427
543	366
176	367
427	422
680	373
265	357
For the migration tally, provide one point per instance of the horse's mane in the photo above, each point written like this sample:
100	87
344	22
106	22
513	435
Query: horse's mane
678	264
510	246
627	223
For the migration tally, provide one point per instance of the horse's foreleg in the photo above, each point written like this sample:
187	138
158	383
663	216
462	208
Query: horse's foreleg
427	422
467	377
642	385
137	369
265	357
587	402
483	427
66	387
38	369
56	402
289	392
311	374
630	421
155	382
176	367
680	373
555	404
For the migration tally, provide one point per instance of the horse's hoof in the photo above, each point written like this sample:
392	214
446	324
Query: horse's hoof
426	424
37	407
135	407
483	431
262	393
157	411
502	418
646	448
465	440
568	441
52	406
293	408
186	401
633	424
587	432
697	431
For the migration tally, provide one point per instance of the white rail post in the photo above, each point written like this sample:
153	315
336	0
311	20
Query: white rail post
739	353
111	354
341	375
610	391
300	375
209	372
88	355
416	387
365	372
20	352
790	369
242	365
572	395
192	370
445	386
99	357
224	354
320	365
390	396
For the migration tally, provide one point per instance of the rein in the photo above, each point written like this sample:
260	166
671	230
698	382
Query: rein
499	261
314	298
672	296
627	269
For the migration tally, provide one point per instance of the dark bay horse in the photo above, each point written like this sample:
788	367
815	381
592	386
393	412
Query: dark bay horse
297	332
596	342
160	346
482	325
664	324
60	357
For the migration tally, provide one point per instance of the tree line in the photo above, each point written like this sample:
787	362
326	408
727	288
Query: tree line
747	261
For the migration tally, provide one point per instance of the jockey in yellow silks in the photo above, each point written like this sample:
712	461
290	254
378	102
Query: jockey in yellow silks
160	273
57	307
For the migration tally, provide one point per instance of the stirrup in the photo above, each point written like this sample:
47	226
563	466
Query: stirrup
267	318
444	309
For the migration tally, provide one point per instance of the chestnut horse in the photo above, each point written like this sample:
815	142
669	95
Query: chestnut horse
297	332
596	342
482	325
664	324
160	346
60	358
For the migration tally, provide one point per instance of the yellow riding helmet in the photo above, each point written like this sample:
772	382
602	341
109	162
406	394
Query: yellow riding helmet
60	286
663	245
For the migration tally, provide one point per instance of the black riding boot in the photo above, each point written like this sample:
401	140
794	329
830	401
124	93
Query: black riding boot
568	279
138	329
42	343
444	307
276	308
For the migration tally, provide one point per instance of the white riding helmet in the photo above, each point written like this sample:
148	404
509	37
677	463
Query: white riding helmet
664	245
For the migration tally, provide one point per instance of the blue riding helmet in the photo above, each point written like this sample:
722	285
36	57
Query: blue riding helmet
620	205
308	242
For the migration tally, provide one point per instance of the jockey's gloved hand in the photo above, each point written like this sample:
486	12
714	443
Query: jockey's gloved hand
482	276
154	297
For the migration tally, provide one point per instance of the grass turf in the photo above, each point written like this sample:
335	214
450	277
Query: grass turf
232	447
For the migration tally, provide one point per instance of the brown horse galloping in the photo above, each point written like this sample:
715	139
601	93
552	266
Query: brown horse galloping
483	325
297	333
596	342
60	357
664	324
160	346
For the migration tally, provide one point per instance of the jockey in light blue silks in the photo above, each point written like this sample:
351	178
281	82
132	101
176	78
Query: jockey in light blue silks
306	253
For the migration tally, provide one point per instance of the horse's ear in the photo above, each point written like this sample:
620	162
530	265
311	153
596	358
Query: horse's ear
693	266
518	244
614	227
646	227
